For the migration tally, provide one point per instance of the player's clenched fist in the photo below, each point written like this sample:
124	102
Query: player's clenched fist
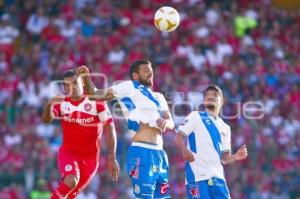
82	70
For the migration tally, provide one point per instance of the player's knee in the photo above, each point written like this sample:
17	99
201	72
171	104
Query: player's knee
71	181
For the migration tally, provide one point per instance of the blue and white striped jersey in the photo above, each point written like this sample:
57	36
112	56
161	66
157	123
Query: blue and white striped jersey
139	104
208	137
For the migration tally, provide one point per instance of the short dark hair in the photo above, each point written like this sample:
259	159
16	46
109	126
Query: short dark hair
69	73
213	87
134	68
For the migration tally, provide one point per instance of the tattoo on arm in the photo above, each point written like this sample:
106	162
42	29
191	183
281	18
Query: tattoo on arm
90	87
95	93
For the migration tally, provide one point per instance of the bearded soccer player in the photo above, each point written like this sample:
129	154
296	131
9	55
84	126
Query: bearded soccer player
148	116
208	147
82	123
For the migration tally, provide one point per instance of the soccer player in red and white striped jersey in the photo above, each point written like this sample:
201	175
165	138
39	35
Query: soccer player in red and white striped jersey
82	123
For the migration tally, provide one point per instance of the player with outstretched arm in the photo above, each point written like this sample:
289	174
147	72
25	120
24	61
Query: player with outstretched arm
148	117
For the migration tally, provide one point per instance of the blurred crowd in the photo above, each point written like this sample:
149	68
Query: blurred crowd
249	48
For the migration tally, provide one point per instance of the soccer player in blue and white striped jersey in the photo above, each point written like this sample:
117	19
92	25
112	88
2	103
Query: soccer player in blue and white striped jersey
148	116
208	147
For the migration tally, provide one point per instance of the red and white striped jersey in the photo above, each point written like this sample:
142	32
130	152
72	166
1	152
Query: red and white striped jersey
82	124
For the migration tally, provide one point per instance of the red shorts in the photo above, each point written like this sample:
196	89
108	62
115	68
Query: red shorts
83	169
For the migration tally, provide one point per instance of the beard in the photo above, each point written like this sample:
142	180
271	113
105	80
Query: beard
145	82
211	107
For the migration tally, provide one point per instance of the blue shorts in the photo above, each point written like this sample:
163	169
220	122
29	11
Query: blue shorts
214	188
148	169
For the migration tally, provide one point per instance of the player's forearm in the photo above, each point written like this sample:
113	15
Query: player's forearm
89	86
46	116
91	89
228	158
111	140
95	93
